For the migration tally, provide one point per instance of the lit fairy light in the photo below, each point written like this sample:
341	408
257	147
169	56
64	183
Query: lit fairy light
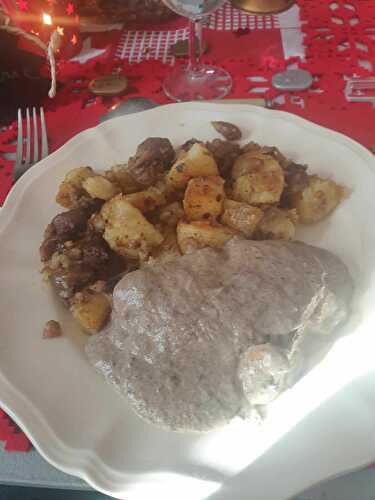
47	19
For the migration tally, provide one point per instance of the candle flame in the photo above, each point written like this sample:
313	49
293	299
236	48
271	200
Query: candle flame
47	19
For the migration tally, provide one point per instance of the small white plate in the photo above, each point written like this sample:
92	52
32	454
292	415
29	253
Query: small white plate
79	423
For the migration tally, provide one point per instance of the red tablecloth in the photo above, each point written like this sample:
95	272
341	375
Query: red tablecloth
339	41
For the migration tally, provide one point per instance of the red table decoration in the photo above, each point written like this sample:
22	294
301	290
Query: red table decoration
41	18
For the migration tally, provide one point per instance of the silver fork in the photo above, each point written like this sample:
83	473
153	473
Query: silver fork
24	162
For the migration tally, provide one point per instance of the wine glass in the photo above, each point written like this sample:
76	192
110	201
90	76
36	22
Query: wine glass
196	81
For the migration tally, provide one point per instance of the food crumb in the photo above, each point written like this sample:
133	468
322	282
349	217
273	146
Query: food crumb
52	329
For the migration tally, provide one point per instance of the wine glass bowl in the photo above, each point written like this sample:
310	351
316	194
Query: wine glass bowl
196	81
193	9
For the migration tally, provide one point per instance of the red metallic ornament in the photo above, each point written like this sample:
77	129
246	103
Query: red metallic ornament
42	18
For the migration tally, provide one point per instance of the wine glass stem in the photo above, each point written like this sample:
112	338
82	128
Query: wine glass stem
195	43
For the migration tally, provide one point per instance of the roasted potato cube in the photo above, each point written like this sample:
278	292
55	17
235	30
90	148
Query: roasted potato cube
263	184
200	234
278	224
91	310
258	179
256	149
171	214
204	197
197	162
120	175
169	248
318	199
126	231
250	162
148	200
99	187
241	216
257	189
70	190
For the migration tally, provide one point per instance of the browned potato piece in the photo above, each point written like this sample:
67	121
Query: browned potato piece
200	234
148	200
278	224
70	190
99	187
169	248
78	175
204	198
318	199
263	184
120	175
257	189
91	310
249	163
126	231
197	162
171	214
241	216
255	149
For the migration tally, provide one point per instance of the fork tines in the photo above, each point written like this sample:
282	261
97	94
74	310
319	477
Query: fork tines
26	145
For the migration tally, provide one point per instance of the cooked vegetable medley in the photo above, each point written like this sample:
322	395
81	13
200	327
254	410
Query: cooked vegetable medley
165	202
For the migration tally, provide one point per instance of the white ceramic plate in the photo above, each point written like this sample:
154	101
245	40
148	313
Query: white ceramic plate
78	422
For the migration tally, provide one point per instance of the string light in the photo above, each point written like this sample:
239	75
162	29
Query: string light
47	19
52	28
